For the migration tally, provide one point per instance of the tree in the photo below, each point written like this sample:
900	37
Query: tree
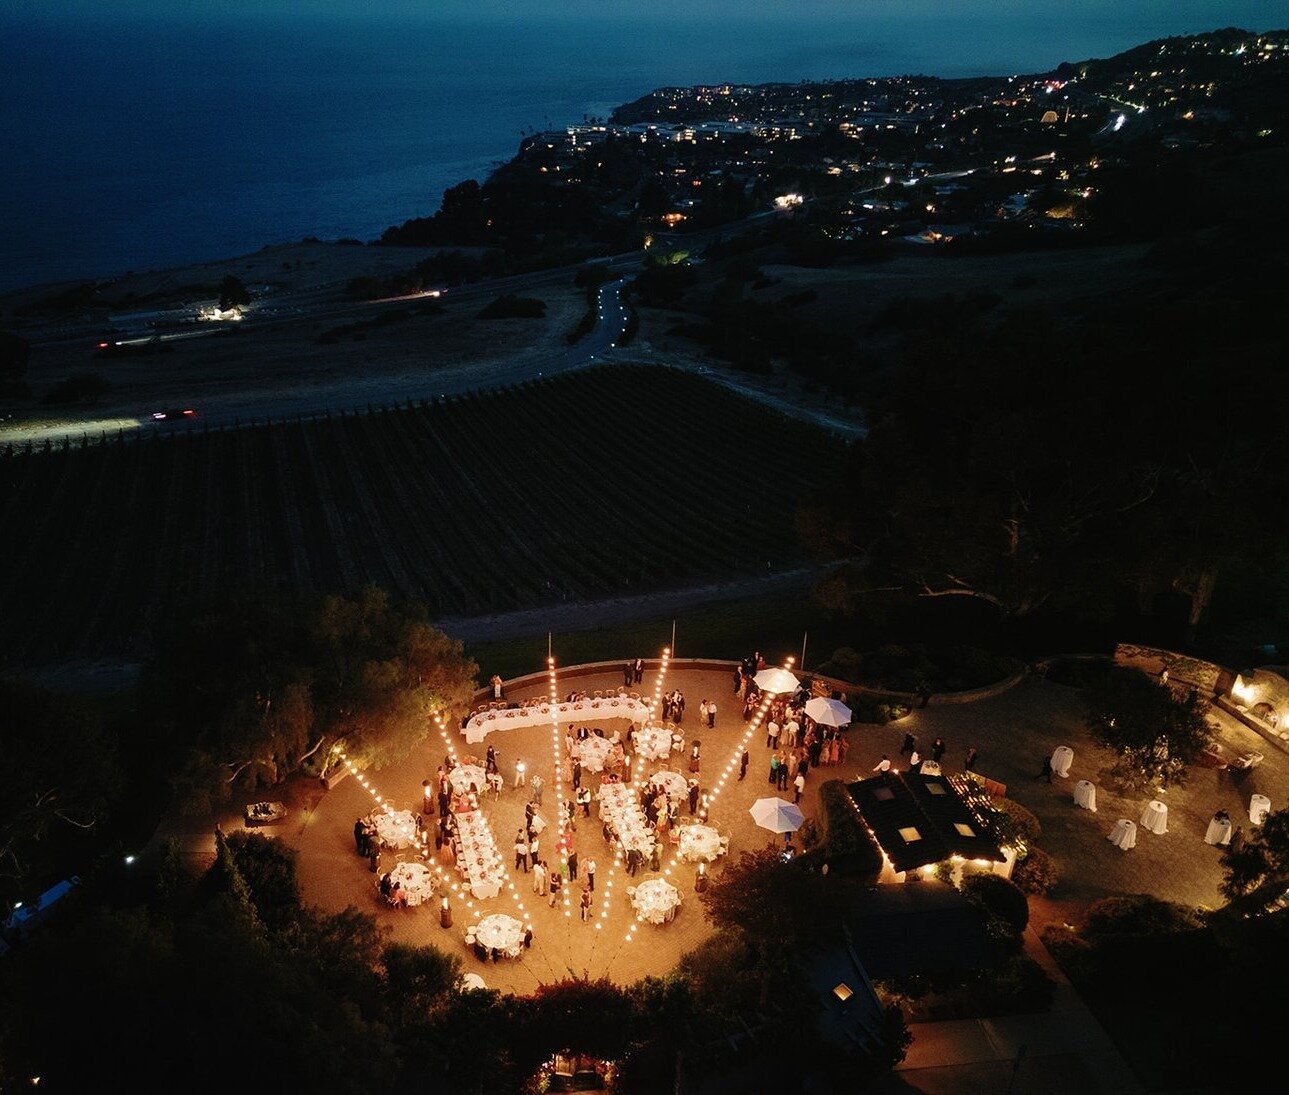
60	778
774	905
268	868
1257	874
232	293
1155	736
418	979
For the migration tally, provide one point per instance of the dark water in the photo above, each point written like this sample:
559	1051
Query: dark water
131	145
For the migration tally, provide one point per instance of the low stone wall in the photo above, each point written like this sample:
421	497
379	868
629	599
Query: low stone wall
537	683
1207	677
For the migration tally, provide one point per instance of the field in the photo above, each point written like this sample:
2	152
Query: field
603	483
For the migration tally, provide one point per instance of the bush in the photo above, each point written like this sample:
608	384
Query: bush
1137	914
846	845
513	307
1037	873
999	898
1013	824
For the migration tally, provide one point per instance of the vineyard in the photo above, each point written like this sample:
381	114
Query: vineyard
602	483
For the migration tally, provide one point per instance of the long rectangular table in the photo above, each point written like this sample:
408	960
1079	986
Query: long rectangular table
483	723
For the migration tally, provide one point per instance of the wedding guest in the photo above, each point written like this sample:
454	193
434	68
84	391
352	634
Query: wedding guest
590	875
742	767
937	749
711	715
586	905
970	762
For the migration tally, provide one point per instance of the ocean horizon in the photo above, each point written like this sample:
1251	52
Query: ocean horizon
135	145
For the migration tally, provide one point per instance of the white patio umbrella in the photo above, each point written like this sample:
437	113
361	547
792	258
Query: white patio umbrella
829	712
776	680
776	815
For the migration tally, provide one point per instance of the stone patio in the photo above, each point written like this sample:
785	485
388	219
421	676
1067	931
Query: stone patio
1013	733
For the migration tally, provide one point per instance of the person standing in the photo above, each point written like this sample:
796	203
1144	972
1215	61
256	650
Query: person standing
577	774
427	798
586	904
908	745
970	763
590	875
1046	770
532	847
521	773
843	747
497	690
360	837
555	884
771	734
627	674
742	767
800	785
883	766
738	681
539	878
693	757
783	771
537	790
678	708
711	715
702	713
915	758
521	851
572	864
937	749
638	669
774	769
693	797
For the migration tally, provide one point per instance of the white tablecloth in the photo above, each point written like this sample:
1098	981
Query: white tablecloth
620	807
1085	795
593	752
583	711
463	775
676	785
396	830
1259	807
1062	758
700	842
478	856
501	932
1155	817
656	900
1124	834
652	742
416	879
1219	831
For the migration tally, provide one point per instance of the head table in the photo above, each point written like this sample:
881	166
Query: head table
655	900
483	723
416	881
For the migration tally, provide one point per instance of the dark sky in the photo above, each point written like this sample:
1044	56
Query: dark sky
1254	14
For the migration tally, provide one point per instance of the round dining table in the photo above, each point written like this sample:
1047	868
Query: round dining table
676	785
416	880
656	900
463	776
1259	808
501	933
396	828
700	843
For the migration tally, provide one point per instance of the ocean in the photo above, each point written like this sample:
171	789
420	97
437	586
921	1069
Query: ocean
133	144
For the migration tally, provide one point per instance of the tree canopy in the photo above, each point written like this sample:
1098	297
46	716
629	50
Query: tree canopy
242	694
1155	734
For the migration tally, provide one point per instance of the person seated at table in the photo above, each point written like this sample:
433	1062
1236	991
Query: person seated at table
386	885
598	732
494	954
583	733
528	937
398	896
480	951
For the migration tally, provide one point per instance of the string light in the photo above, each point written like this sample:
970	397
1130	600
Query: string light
491	845
752	727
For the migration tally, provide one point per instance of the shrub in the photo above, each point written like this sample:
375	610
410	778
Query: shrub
1013	824
1137	914
846	846
1037	873
999	898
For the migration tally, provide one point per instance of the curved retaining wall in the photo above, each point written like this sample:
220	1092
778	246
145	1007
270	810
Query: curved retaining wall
523	686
